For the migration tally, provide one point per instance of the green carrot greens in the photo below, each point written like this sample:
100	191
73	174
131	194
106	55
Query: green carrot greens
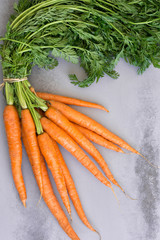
96	33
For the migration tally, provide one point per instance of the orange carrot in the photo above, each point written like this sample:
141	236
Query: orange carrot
94	137
59	119
70	101
49	196
30	134
87	122
71	128
13	132
49	153
71	188
69	144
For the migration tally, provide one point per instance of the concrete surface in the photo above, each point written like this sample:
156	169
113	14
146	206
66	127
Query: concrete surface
134	115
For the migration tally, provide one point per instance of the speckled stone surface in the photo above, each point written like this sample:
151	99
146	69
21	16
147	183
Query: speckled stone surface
134	104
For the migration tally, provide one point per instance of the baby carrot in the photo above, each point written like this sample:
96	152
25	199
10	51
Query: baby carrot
49	153
30	134
13	132
70	101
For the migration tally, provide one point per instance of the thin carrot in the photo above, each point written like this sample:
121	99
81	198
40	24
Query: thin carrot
94	137
87	122
30	134
13	132
72	189
69	144
70	101
49	153
49	196
59	119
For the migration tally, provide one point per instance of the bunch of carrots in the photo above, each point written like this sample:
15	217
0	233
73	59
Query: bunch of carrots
42	120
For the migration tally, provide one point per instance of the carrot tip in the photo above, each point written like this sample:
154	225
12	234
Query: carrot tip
98	234
126	193
24	203
70	217
104	109
39	199
121	151
129	196
153	165
115	195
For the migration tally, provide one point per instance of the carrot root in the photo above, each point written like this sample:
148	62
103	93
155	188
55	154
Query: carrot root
39	199
68	100
13	133
115	195
96	138
24	203
29	130
99	235
153	165
129	196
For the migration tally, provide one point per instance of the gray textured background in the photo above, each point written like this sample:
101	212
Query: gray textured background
134	115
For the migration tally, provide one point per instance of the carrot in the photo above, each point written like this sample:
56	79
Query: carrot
48	194
70	101
71	188
49	153
13	132
87	122
59	119
30	134
94	137
69	144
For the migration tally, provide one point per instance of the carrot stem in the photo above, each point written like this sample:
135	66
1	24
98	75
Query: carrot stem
27	83
34	114
9	93
38	114
153	165
34	98
26	102
20	95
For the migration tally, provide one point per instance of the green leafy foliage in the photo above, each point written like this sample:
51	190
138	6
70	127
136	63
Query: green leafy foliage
95	32
67	53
